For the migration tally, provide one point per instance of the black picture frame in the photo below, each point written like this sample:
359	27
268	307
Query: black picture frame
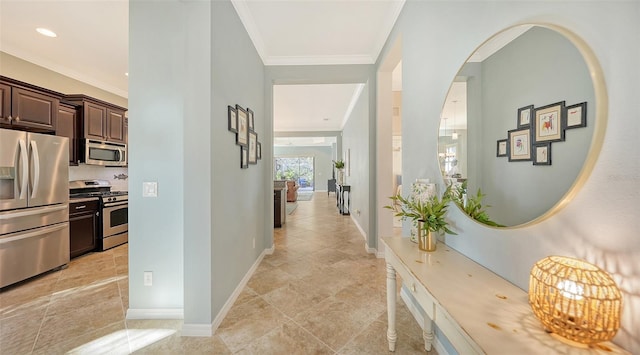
576	115
259	151
525	115
549	123
232	117
501	148
541	153
253	147
519	145
252	123
242	136
244	158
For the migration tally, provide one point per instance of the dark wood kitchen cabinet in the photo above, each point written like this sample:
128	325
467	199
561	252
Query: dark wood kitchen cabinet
99	120
28	107
67	126
84	222
5	104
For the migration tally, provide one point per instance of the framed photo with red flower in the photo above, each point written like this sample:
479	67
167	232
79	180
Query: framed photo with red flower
549	123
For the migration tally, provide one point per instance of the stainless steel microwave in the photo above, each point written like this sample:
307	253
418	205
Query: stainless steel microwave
105	153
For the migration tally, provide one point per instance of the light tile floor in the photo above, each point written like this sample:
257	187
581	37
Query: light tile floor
319	293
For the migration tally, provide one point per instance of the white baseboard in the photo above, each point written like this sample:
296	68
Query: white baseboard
236	293
197	330
417	314
364	235
155	313
270	250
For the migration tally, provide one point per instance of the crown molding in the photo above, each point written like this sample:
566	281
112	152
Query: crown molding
250	26
387	27
319	60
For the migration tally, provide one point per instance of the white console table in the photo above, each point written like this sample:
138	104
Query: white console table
477	310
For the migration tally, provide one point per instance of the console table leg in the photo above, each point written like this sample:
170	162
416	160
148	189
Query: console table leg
427	333
392	336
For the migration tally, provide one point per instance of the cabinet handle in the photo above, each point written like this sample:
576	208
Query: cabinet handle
9	118
17	118
81	207
98	214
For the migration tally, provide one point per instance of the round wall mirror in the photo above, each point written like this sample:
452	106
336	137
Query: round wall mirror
518	125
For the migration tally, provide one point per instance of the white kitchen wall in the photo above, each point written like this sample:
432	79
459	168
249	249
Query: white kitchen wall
88	172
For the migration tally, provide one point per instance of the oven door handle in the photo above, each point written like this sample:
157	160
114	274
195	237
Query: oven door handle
117	204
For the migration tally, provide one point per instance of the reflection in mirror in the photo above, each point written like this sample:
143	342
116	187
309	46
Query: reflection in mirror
522	66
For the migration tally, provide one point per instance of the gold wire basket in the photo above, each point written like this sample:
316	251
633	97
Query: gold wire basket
575	299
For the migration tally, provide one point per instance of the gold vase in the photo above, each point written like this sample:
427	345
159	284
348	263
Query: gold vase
426	238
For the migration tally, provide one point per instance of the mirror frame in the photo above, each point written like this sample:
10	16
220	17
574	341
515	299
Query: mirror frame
600	118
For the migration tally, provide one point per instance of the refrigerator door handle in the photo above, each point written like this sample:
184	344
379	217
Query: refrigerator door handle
35	233
31	212
25	169
36	163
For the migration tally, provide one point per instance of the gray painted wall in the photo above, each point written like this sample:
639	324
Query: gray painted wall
194	236
520	191
599	224
355	139
323	166
238	195
156	153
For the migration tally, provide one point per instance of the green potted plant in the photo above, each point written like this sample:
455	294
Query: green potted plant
471	205
429	215
339	165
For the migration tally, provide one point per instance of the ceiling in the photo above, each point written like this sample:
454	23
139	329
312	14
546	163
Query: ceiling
92	45
322	107
303	32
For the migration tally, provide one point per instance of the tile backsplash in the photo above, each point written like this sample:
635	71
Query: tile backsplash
87	172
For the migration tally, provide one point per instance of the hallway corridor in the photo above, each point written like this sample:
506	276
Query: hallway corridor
319	293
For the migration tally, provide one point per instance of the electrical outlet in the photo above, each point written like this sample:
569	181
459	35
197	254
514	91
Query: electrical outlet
148	278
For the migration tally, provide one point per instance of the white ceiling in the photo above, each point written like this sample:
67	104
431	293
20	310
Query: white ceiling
92	44
322	107
303	32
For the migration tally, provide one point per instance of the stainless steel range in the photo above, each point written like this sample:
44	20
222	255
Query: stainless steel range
114	209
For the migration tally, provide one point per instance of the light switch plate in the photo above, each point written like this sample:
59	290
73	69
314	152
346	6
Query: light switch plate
149	189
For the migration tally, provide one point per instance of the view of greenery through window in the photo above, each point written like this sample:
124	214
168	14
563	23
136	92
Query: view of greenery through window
299	169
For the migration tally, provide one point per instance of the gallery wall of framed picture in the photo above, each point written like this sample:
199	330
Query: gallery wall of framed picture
241	122
538	127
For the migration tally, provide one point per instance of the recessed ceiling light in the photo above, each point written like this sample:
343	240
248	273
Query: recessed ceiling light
126	74
46	32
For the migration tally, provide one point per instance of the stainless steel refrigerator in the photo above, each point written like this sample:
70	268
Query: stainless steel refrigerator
34	204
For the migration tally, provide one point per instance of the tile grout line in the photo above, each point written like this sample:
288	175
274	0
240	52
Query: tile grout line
296	323
124	313
46	311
